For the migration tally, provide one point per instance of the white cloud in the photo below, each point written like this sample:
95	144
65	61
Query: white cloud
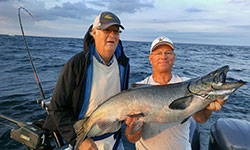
238	1
143	20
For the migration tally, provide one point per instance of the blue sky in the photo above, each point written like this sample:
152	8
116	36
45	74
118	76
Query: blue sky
222	22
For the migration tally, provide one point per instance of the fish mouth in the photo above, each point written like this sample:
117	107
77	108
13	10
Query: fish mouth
229	85
224	91
214	83
217	77
221	87
221	77
219	81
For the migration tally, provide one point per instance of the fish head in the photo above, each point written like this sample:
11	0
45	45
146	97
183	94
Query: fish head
214	85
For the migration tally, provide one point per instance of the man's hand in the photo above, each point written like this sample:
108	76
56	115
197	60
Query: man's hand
133	129
216	105
88	144
204	114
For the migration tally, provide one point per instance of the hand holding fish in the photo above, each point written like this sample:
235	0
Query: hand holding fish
203	115
133	129
88	144
216	105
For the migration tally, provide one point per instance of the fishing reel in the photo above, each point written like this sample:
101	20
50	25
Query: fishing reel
30	134
44	102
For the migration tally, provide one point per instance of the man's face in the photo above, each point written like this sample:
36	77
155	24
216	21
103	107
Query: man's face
162	59
106	40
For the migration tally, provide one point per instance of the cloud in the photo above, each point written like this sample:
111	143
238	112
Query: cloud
194	10
183	20
237	1
125	6
247	27
146	18
5	0
130	6
102	3
208	38
8	9
63	17
79	10
68	10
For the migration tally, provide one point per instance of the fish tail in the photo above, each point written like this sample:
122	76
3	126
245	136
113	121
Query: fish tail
80	130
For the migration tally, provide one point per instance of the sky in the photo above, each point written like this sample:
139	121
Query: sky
220	22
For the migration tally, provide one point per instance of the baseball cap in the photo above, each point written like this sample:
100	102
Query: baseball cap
105	20
161	41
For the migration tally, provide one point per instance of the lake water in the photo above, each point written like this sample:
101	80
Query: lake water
19	92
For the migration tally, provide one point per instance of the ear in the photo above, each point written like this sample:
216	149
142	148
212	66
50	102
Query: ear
174	56
150	58
93	32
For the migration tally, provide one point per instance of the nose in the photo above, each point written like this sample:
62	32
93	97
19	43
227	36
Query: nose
111	33
164	56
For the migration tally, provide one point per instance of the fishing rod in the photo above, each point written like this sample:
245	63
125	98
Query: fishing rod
27	49
43	101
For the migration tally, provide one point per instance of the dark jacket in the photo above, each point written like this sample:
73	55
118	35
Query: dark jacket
67	100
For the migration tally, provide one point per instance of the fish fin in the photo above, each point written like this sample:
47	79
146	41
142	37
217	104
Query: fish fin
80	132
137	85
181	103
183	121
111	126
78	126
137	115
135	127
102	127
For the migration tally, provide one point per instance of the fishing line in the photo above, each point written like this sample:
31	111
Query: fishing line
27	49
7	125
8	119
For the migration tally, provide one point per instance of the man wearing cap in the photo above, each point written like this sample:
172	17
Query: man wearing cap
153	136
98	72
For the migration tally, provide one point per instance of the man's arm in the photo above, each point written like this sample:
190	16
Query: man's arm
60	109
203	115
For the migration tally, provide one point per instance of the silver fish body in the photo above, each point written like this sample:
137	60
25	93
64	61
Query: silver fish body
172	103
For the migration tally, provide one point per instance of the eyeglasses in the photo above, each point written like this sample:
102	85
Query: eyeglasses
108	31
168	54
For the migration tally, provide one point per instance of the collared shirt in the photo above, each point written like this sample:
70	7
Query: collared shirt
99	58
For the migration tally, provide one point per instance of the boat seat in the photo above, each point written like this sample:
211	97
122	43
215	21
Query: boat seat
230	134
194	135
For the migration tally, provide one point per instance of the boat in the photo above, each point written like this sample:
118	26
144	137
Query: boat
225	134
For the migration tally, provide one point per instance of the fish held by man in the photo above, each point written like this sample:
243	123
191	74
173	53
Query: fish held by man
172	103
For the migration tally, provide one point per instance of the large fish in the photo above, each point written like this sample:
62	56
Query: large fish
172	103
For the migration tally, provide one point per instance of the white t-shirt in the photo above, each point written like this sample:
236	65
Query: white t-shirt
161	136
